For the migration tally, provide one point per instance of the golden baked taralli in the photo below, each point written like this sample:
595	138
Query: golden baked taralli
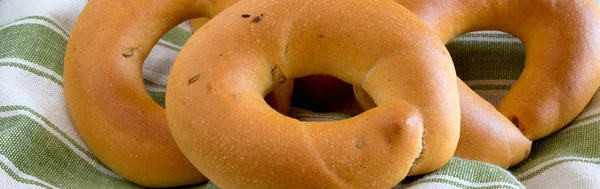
485	134
108	103
220	121
280	98
562	67
561	70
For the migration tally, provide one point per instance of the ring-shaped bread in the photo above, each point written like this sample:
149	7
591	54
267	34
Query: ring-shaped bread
562	64
561	70
485	134
107	100
220	121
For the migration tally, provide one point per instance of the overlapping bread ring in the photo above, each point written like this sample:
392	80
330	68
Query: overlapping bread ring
485	134
108	103
560	76
562	69
220	121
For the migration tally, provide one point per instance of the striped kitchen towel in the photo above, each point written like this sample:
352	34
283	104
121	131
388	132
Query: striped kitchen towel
40	148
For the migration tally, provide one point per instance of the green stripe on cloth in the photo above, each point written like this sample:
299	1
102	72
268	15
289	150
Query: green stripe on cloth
45	19
489	61
158	97
174	48
586	118
152	84
177	36
41	45
52	126
462	185
494	35
38	153
563	144
34	43
555	163
466	173
18	178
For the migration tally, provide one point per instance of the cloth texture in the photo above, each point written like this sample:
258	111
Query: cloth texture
40	147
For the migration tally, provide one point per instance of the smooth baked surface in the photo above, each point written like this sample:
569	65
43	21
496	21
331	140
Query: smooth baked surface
106	98
560	76
562	69
485	134
218	116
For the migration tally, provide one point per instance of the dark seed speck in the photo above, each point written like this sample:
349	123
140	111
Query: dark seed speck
193	78
257	18
360	143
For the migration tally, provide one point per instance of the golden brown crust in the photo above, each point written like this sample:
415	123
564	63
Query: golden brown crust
486	135
108	103
196	23
224	127
560	77
280	98
562	64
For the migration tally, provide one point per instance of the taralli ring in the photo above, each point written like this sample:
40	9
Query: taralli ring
485	134
562	69
220	121
108	103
